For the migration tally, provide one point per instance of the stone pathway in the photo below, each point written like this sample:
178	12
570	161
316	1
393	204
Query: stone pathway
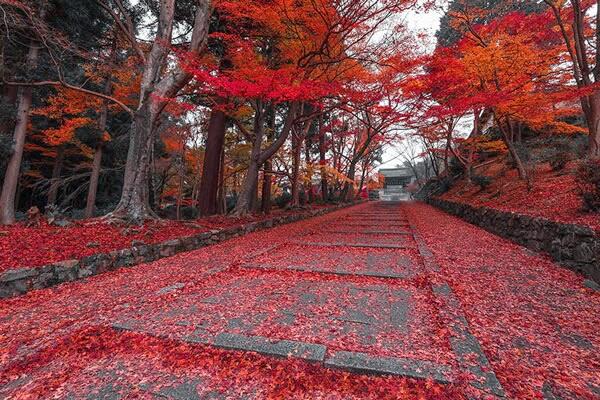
358	291
302	299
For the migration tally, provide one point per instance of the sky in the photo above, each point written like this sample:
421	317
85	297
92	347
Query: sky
427	23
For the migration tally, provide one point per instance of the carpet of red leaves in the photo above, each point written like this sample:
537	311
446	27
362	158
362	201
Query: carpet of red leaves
22	246
554	195
57	341
93	362
537	322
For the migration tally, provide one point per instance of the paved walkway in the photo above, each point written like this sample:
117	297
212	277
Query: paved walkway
438	307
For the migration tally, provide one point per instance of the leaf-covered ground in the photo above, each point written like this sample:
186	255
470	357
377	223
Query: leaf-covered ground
554	194
531	317
537	322
22	246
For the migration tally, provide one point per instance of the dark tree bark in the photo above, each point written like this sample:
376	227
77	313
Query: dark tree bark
11	177
266	188
90	206
209	184
259	156
307	149
221	193
56	172
322	161
267	168
296	148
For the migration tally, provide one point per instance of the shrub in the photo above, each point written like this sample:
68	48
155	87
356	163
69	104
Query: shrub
559	161
482	181
588	180
283	199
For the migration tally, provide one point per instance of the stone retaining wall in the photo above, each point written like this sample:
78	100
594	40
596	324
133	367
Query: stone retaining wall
574	246
19	281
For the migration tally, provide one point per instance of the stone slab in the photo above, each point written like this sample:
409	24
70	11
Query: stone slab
373	274
465	346
366	364
279	348
367	232
360	245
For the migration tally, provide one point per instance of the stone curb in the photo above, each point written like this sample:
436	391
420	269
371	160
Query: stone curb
358	363
574	246
16	282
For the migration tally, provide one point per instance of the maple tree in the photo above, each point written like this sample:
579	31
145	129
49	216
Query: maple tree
579	30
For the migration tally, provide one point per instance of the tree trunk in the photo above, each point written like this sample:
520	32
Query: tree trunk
307	148
258	157
209	184
296	148
594	125
134	205
155	90
513	152
348	190
56	172
268	166
322	162
266	188
93	189
221	192
244	202
11	177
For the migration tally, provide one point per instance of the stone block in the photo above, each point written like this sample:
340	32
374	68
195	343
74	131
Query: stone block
18	274
368	364
281	348
123	258
66	270
583	253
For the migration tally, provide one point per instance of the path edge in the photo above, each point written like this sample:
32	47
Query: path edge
19	281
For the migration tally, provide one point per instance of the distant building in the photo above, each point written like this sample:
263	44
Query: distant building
395	183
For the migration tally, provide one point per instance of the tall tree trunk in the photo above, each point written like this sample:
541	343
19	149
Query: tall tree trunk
135	199
268	167
594	125
11	177
244	202
254	197
93	189
296	148
513	151
307	149
155	90
212	163
90	204
266	188
221	192
348	190
258	157
322	161
56	172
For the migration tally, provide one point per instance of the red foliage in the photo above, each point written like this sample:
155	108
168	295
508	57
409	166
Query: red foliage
555	195
532	316
73	366
22	246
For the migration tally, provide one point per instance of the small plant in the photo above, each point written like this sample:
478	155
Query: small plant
588	180
559	161
482	181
